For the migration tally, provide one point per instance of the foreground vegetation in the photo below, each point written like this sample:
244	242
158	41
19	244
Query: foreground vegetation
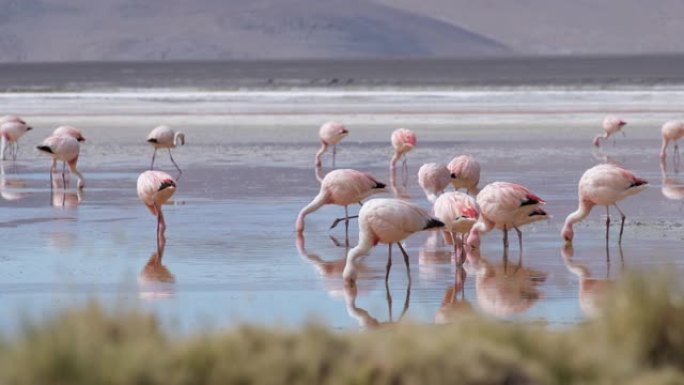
639	340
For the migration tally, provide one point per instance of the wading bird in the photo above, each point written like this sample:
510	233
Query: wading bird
403	141
66	149
433	178
459	212
341	187
611	125
465	173
154	189
603	185
506	206
331	133
672	131
11	129
387	221
165	137
69	131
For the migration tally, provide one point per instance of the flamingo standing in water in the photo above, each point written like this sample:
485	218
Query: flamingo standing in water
11	129
154	189
331	133
604	185
387	221
611	125
403	141
69	131
506	206
459	212
671	131
433	178
341	187
63	148
465	173
165	137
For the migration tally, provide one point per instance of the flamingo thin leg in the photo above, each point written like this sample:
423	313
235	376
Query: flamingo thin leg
406	261
174	162
622	223
389	263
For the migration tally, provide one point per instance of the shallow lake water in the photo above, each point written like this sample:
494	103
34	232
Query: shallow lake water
232	255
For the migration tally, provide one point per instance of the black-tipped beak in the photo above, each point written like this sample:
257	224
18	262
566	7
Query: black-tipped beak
433	223
344	132
29	128
380	185
81	139
166	184
453	176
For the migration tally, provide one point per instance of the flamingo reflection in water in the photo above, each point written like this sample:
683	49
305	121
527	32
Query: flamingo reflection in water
363	317
672	186
61	197
11	187
504	289
454	304
592	291
155	281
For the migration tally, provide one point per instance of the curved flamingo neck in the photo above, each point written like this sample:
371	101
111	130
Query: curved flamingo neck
315	204
323	149
394	159
582	211
179	137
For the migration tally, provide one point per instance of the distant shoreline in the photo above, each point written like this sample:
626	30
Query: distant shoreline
557	71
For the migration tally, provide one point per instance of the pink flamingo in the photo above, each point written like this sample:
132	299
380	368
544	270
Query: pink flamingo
671	131
331	133
506	206
433	178
403	141
154	189
69	131
459	212
165	137
341	187
465	173
387	221
11	129
604	185
611	125
66	149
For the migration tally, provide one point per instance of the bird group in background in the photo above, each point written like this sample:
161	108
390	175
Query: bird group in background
462	216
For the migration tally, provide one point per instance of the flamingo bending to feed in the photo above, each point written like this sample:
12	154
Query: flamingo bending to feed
330	133
465	173
403	141
604	185
433	178
69	131
672	131
611	125
165	137
387	221
154	189
459	212
11	129
341	187
506	206
63	148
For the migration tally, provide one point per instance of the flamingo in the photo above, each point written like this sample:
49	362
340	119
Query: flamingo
505	206
465	173
604	185
11	129
672	131
331	133
387	221
341	187
459	212
433	178
403	141
69	131
164	137
66	149
611	125
154	189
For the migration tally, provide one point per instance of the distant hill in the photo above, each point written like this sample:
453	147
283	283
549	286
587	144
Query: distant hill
87	30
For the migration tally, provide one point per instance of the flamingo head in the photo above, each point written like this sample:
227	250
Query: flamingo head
166	183
567	233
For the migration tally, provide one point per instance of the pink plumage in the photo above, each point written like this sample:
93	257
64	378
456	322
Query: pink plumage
506	206
465	173
11	129
433	178
330	133
603	185
671	131
387	221
341	187
403	141
66	149
459	212
164	137
154	189
611	125
69	131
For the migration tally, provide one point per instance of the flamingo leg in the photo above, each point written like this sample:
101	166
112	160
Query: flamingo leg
174	162
389	264
154	155
407	300
16	150
517	230
622	222
346	219
406	261
161	224
334	151
64	186
607	224
388	296
505	237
